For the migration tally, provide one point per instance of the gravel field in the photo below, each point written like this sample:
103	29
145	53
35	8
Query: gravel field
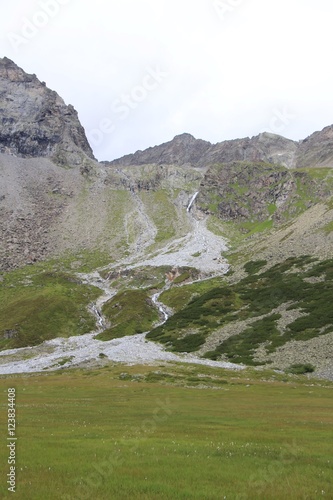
84	350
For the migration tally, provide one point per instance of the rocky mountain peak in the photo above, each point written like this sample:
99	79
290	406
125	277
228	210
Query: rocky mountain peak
317	149
11	72
185	138
36	122
183	149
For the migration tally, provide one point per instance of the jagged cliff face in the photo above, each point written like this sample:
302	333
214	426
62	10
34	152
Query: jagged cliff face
35	121
265	147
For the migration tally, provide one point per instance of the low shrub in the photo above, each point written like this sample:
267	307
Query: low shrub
300	369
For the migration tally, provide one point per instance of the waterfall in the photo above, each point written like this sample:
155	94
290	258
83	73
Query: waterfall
192	200
160	306
98	316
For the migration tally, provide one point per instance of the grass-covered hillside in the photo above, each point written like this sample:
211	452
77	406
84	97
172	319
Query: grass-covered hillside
275	305
38	304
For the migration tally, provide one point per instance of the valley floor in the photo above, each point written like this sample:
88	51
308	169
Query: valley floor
199	248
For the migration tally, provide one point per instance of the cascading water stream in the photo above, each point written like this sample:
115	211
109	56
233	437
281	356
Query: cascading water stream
99	316
162	309
192	200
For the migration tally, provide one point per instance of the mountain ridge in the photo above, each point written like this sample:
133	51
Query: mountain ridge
184	149
53	130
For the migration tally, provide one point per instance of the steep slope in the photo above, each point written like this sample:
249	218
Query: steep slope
245	192
35	121
316	150
47	211
55	198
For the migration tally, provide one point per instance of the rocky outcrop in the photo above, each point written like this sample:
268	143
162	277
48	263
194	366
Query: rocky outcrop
152	177
254	192
35	121
46	210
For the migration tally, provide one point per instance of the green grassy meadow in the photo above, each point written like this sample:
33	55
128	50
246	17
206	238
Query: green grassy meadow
38	304
170	432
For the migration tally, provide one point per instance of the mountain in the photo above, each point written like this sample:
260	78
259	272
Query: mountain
221	249
35	121
316	150
186	150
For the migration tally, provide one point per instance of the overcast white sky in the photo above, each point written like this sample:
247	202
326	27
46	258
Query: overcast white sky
140	72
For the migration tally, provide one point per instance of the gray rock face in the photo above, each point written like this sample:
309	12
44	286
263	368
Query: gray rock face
186	150
244	191
35	121
266	147
316	150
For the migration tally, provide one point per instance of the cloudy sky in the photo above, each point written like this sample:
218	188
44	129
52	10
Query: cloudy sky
140	72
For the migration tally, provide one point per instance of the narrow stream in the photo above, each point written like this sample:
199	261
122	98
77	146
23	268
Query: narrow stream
99	316
161	307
